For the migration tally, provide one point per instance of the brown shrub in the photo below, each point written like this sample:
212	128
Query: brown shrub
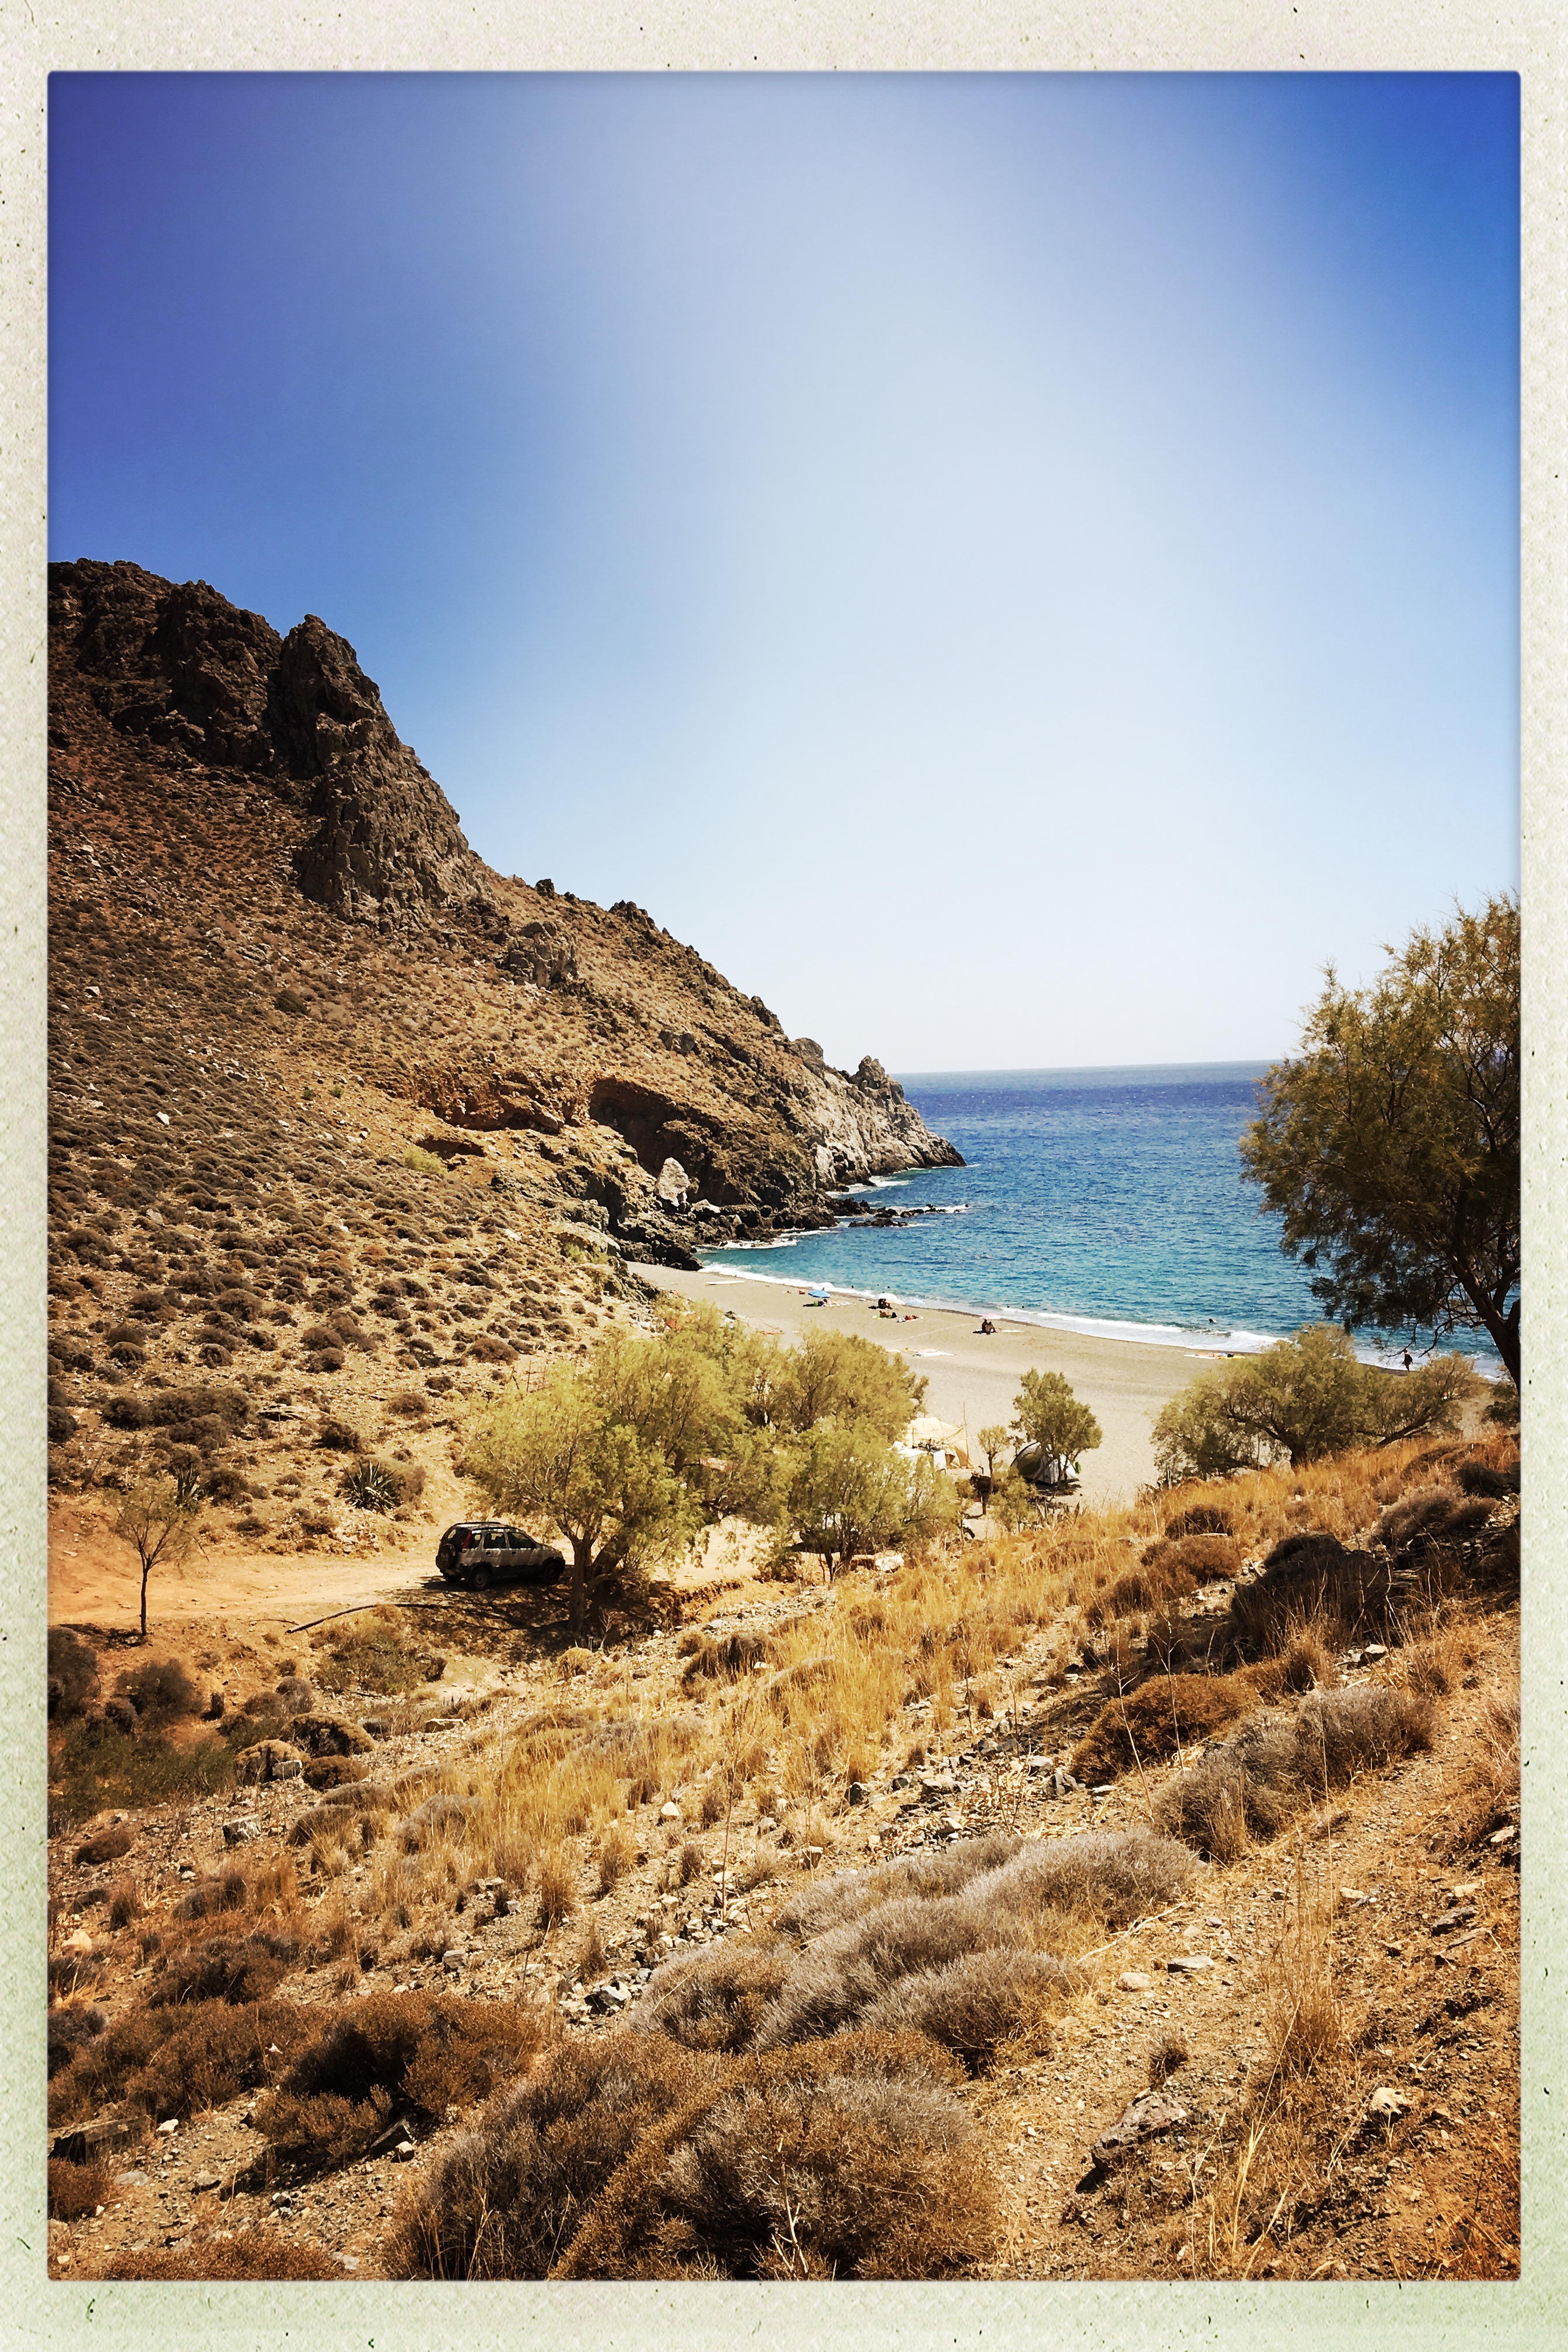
392	2049
723	1660
66	2031
77	2190
171	2061
974	2003
1252	1786
1309	1579
1217	1807
1200	1557
1166	2058
849	1893
125	1903
1342	1733
847	2159
842	1973
1157	1720
1153	1585
1114	1875
1200	1519
251	2254
509	2196
241	1970
105	1845
715	2001
160	1691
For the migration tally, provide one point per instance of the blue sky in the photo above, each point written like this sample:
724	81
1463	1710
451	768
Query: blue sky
1020	571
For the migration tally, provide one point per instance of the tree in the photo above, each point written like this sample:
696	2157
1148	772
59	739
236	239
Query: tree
837	1376
1300	1401
850	1492
159	1519
991	1442
611	1453
1390	1148
1046	1413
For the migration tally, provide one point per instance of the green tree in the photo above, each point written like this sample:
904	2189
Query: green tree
627	1456
1300	1401
1390	1149
159	1520
837	1376
1046	1413
991	1442
850	1492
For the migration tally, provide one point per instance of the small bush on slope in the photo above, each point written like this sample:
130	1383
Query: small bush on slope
1251	1787
919	1957
846	2159
419	2049
242	1969
973	2005
1158	1719
172	2062
718	2000
849	1893
75	2190
511	2195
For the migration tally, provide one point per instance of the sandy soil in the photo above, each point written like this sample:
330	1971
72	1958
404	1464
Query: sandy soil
975	1379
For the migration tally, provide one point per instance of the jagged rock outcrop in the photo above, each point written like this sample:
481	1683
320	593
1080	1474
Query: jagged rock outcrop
202	679
217	785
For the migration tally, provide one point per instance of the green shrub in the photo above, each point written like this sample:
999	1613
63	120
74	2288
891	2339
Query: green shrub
1300	1401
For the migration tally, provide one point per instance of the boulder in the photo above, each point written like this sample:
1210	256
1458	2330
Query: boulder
674	1185
1149	2116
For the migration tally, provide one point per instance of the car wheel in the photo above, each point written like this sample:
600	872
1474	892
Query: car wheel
480	1579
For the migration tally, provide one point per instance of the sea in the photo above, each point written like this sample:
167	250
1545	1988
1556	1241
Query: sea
1109	1202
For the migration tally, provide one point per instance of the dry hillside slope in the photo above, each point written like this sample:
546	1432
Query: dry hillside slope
335	1108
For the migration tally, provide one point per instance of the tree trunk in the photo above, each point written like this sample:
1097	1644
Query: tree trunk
146	1572
577	1589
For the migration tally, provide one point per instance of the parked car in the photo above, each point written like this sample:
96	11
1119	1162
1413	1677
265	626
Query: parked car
482	1552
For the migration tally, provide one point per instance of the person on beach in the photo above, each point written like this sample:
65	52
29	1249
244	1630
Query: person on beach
987	1329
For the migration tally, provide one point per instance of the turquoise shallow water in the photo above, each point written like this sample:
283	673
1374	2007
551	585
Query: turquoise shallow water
1109	1201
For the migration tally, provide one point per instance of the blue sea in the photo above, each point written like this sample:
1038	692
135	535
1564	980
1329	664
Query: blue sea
1108	1201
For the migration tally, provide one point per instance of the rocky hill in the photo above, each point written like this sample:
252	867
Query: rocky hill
308	1051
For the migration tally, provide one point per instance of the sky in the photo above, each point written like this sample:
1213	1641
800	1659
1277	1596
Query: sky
1020	571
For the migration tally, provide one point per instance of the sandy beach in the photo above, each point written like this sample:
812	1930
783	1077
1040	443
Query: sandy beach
975	1379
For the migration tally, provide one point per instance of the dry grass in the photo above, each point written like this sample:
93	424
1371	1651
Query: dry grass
1245	2216
250	2253
617	1852
555	1888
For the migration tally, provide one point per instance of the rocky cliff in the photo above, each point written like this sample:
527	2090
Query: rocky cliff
257	885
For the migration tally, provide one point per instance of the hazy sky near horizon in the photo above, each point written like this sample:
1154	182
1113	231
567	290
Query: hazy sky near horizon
1021	570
